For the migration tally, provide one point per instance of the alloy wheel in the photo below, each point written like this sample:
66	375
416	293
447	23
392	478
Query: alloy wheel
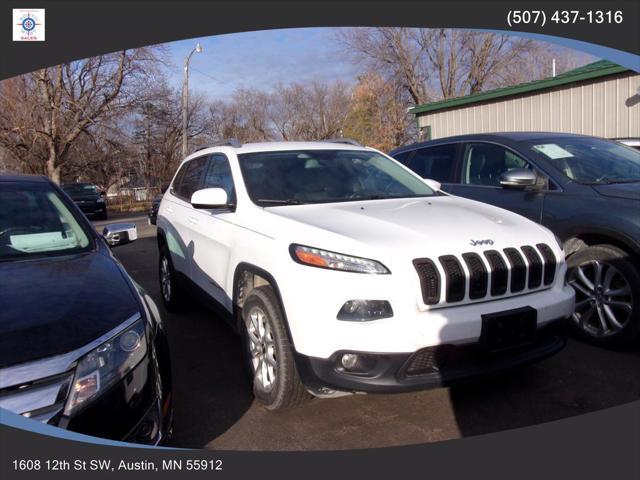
262	349
165	279
603	298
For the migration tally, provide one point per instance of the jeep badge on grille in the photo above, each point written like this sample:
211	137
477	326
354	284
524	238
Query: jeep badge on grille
475	243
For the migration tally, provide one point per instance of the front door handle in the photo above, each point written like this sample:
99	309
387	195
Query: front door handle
193	220
169	209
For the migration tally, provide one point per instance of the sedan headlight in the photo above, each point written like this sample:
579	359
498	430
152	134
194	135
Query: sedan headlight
107	364
316	257
100	200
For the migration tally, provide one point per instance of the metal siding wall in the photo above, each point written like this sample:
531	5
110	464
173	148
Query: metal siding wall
607	107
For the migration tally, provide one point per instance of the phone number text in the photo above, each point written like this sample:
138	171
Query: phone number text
541	17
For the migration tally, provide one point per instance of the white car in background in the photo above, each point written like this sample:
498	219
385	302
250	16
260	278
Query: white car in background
345	272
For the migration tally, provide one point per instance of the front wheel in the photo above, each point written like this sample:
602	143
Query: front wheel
171	291
607	286
269	355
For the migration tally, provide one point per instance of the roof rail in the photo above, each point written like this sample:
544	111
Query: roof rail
348	141
230	142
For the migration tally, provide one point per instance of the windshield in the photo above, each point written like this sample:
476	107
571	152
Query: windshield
590	160
322	176
35	222
80	188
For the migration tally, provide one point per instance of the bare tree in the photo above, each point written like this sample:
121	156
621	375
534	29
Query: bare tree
394	52
433	64
69	99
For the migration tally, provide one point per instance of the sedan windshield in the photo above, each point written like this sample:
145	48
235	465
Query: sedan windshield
80	189
294	177
34	221
590	160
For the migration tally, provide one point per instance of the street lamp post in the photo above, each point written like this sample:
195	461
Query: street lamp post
185	98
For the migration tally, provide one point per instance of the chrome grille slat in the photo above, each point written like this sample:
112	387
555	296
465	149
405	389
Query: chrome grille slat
499	273
456	279
37	399
478	280
550	263
429	280
518	269
535	266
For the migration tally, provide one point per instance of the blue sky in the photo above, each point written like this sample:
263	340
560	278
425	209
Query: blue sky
261	59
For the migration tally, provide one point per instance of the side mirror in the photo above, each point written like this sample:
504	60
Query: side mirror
209	198
518	179
120	233
433	184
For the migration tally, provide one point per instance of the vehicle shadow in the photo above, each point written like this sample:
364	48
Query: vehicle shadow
569	383
210	388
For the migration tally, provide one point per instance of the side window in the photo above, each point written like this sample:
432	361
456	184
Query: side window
484	163
436	163
403	157
191	179
219	175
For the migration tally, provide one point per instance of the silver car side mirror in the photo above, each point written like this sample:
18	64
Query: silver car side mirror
518	178
120	233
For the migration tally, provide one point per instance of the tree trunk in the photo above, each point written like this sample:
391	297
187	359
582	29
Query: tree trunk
53	167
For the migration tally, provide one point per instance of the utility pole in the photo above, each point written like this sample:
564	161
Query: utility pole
185	98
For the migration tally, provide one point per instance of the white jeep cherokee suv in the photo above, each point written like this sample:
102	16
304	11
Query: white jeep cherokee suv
346	272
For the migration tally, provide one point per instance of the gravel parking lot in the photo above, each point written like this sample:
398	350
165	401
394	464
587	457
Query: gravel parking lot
214	407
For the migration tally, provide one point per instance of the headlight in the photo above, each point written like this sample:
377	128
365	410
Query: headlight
108	363
315	257
100	200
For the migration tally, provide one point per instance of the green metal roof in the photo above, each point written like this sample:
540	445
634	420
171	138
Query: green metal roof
597	69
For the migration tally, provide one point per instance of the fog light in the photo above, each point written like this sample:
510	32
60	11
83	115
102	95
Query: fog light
356	363
365	310
349	360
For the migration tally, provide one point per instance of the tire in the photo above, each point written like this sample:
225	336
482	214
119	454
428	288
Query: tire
173	297
607	311
103	216
268	353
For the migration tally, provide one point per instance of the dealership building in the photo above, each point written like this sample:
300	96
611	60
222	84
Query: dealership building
600	99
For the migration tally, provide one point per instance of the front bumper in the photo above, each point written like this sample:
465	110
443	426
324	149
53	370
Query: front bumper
93	208
442	365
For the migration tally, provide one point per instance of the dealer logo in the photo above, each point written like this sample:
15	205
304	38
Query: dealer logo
28	24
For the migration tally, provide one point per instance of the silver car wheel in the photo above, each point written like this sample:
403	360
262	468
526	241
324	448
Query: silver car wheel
603	298
262	349
165	279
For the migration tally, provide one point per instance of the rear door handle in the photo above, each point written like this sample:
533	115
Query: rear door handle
193	220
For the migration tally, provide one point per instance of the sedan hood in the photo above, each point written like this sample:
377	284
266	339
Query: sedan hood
54	305
620	190
444	223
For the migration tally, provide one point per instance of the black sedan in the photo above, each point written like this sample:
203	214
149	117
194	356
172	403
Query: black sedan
82	346
88	198
155	206
585	189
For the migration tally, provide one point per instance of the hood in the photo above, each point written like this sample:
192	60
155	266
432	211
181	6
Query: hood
414	226
620	190
54	305
79	197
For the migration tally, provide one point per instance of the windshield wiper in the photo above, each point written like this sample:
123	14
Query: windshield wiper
611	181
269	201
